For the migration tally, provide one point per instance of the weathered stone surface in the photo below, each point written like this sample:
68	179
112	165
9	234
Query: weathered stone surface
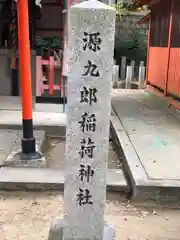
58	226
147	132
41	120
56	230
14	157
91	42
50	179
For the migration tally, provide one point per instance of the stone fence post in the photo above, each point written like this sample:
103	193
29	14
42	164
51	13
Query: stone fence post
141	77
123	68
128	77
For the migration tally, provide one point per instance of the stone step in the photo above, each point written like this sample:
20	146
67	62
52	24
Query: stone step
14	118
15	174
51	179
53	123
164	192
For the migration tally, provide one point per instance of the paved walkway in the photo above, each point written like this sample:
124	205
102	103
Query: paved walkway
153	131
149	134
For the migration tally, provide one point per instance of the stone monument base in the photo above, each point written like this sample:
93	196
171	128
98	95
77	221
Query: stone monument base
57	226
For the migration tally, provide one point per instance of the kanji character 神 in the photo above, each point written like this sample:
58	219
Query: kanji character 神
85	172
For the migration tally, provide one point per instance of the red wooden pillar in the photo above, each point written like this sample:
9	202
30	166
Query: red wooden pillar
28	142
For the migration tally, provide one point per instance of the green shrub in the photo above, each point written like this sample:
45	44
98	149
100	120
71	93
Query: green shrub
133	46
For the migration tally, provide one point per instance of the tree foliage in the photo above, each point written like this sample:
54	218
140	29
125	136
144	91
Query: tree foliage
133	46
122	8
48	42
45	45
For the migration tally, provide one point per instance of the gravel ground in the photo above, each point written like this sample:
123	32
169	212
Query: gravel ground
27	216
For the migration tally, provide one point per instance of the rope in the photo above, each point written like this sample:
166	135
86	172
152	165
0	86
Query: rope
13	30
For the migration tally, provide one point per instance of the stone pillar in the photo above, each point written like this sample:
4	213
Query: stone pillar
91	42
111	2
141	77
133	67
128	77
141	64
123	68
65	59
115	76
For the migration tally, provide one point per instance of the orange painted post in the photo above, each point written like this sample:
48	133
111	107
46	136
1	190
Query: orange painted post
169	47
28	142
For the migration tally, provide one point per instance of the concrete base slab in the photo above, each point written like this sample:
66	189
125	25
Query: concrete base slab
17	159
147	134
50	107
3	156
42	179
56	229
12	155
8	117
48	117
53	123
11	102
57	226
